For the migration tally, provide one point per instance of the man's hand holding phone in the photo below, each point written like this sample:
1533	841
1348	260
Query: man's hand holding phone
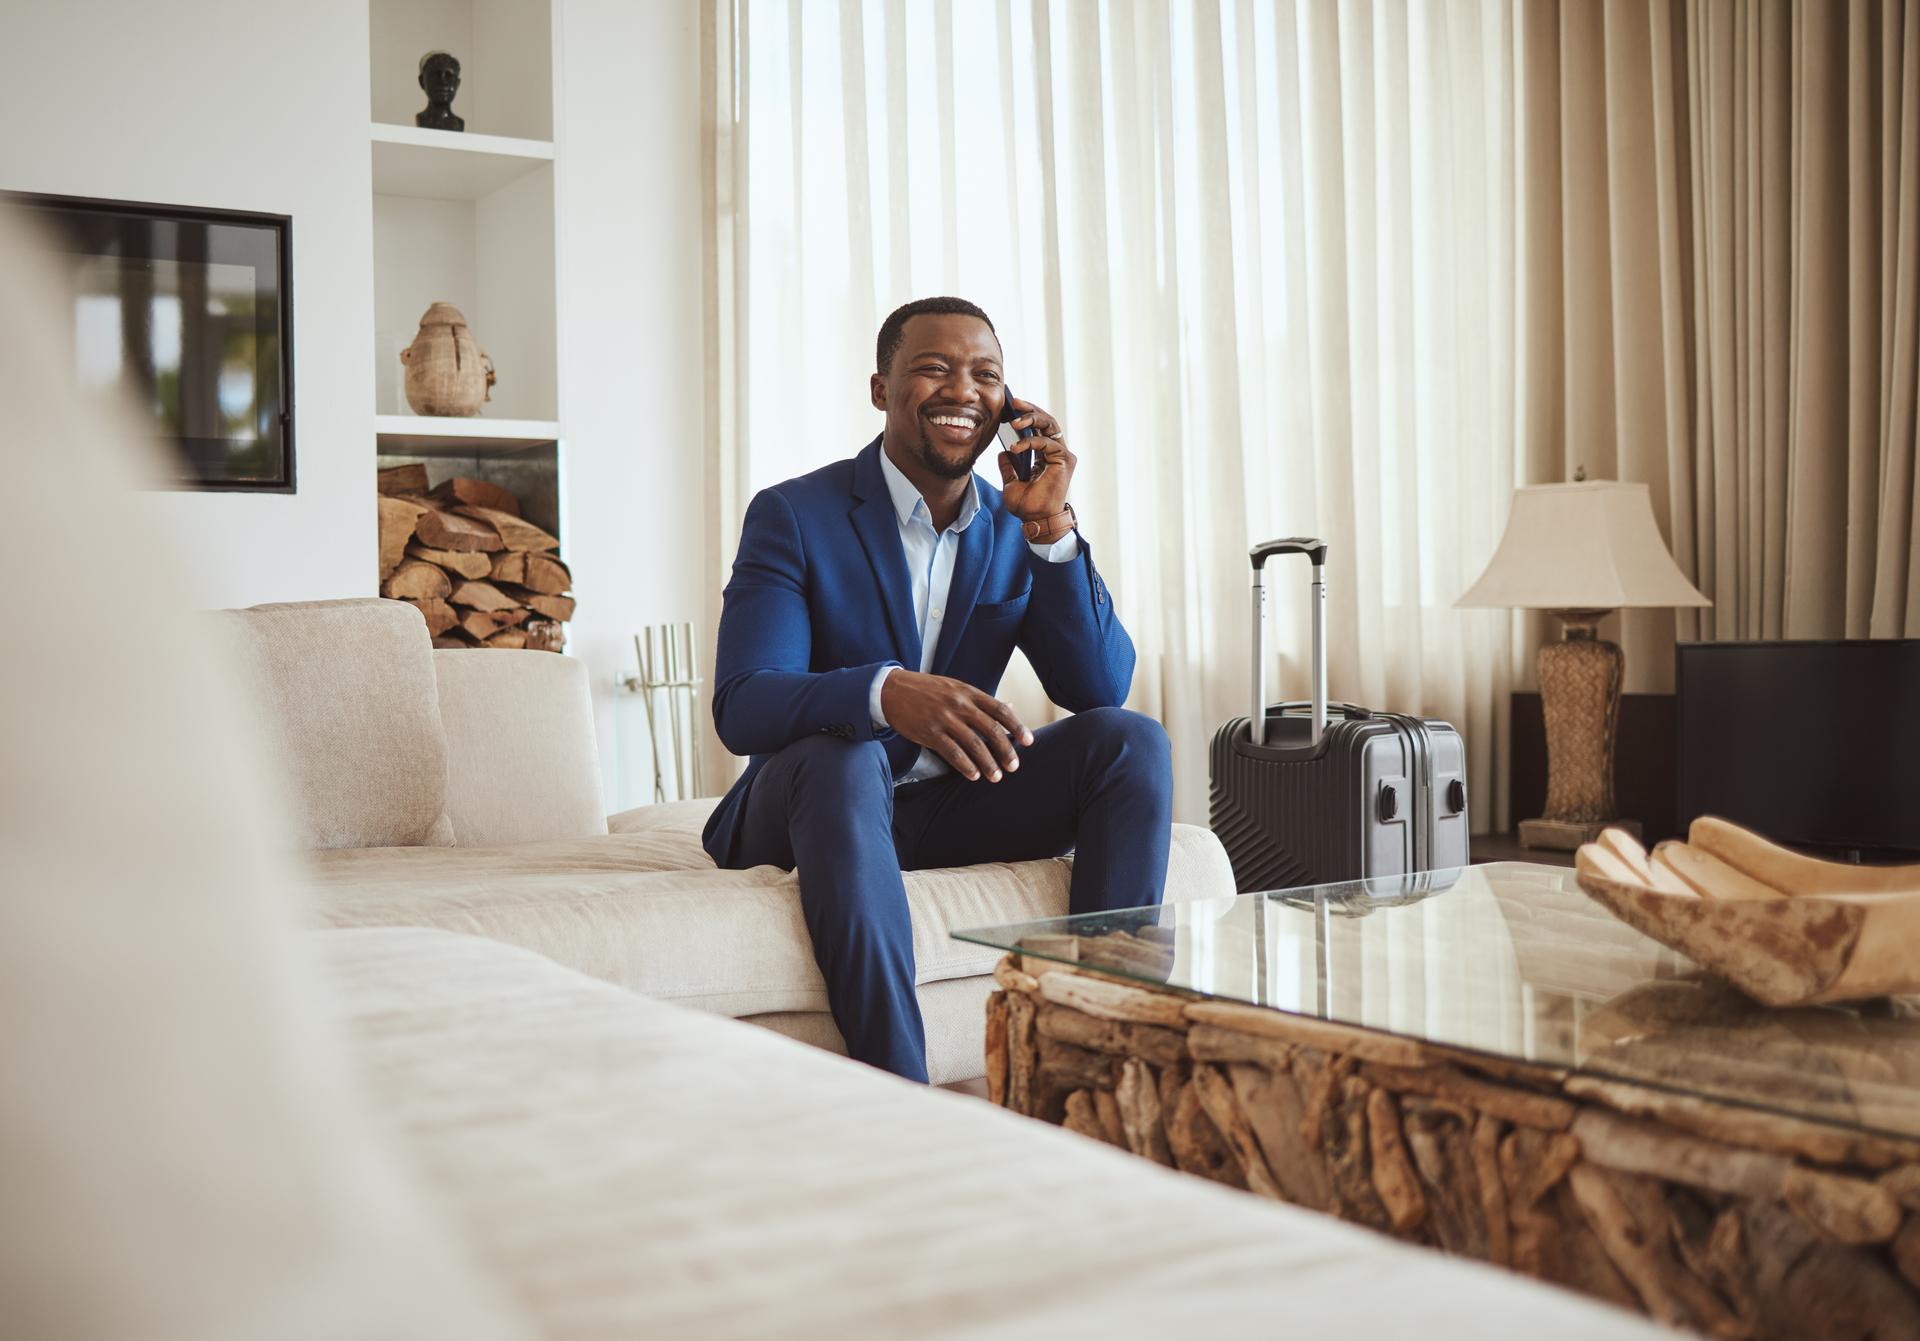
972	730
1041	500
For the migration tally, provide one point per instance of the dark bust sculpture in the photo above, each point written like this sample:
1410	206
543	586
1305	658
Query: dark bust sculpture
440	77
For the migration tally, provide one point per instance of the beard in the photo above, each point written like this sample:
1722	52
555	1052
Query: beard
942	461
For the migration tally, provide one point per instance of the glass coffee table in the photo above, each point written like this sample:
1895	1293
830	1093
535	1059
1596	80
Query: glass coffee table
1487	1062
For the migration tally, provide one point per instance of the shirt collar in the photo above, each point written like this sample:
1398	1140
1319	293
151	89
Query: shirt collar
908	504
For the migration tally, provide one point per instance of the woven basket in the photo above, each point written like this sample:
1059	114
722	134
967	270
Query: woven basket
447	373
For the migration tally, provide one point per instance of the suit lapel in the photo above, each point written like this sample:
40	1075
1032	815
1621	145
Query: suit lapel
969	571
879	532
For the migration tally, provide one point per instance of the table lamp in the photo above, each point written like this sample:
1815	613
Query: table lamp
1580	550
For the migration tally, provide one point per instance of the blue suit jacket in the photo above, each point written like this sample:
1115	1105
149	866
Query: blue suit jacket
820	599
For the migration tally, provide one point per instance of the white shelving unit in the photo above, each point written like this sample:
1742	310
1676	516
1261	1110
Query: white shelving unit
467	217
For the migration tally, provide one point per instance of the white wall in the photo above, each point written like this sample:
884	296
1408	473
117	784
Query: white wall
232	104
245	104
630	348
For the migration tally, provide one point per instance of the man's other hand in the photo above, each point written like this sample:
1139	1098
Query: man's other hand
973	731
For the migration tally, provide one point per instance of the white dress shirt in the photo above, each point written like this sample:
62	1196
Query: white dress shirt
930	566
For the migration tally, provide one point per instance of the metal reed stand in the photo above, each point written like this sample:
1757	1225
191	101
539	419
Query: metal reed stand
668	665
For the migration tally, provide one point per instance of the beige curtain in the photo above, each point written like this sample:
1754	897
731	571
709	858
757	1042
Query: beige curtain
1260	258
1722	268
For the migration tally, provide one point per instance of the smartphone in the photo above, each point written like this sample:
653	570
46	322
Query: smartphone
1024	460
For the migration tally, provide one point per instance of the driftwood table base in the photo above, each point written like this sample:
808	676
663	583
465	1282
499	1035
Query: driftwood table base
1726	1220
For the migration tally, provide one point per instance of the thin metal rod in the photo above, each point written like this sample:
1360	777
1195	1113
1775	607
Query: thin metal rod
1258	717
1319	655
669	636
645	657
693	709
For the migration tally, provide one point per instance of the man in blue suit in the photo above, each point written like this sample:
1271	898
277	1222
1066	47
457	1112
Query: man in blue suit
872	610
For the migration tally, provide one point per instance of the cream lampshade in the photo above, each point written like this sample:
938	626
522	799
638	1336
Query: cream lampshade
1580	550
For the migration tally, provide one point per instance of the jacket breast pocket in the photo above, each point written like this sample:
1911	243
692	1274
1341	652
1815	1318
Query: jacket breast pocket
996	611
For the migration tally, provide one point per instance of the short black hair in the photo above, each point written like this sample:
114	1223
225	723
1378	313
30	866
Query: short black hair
894	329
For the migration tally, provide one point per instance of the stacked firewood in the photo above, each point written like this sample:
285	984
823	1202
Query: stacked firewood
462	555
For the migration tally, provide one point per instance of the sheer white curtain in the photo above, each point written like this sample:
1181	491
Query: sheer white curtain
1258	256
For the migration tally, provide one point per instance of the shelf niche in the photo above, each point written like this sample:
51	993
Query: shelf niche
491	257
505	50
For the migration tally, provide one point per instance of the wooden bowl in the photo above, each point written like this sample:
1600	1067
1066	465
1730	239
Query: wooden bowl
1785	929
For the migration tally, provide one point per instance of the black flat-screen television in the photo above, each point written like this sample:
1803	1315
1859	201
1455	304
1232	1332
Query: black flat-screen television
1814	744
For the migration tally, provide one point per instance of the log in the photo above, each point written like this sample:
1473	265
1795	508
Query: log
1196	1143
996	1049
1348	1153
1217	1099
453	640
1817	1141
1080	1116
1629	1218
537	572
1850	1210
1139	1098
1161	1047
1066	1066
515	533
481	625
460	491
544	635
416	581
1210	1043
450	530
483	596
1337	1038
397	519
1011	979
1020	1053
1630	1146
1532	1163
438	614
395	480
1806	1286
456	563
553	607
1906	1250
1271	1103
509	639
1394	1180
1520	1107
1113	1001
1904	1183
1107	1109
1437	1140
1484	1151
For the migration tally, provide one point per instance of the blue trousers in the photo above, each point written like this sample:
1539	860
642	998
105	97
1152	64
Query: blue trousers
1099	783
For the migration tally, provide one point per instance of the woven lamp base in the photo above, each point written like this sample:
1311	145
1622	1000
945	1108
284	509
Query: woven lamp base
1580	698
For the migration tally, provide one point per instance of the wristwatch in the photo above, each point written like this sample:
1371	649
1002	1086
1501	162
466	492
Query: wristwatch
1051	525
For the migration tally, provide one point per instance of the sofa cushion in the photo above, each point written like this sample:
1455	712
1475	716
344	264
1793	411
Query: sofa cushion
521	760
632	1170
731	942
353	715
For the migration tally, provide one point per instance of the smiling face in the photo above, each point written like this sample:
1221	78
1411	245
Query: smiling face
943	394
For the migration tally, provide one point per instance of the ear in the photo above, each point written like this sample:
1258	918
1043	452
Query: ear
877	389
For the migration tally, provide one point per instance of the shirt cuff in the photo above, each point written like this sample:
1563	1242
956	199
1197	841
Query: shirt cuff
1060	551
873	695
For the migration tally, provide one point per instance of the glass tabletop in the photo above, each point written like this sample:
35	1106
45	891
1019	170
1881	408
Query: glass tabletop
1514	961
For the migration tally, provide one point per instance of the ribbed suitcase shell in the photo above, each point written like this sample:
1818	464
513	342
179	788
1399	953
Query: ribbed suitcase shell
1291	815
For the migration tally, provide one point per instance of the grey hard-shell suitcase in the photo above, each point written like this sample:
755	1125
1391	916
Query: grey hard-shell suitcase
1298	799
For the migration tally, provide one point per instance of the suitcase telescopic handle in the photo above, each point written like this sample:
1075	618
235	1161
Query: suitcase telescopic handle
1316	552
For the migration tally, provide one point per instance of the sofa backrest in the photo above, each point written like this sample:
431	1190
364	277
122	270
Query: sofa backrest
352	707
522	763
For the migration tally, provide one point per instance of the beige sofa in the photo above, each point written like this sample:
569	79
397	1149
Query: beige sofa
461	791
217	1126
